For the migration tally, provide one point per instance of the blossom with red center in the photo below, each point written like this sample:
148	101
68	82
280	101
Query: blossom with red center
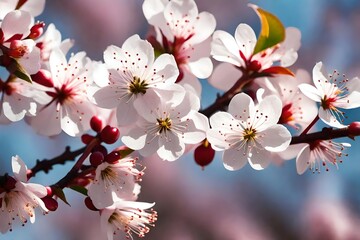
128	217
18	199
14	30
180	29
332	92
114	180
298	111
319	153
66	106
247	133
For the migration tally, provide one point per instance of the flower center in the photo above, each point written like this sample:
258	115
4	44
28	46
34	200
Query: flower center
138	86
164	124
326	103
249	134
286	114
108	173
61	94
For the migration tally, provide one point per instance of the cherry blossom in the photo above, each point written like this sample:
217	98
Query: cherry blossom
239	51
133	73
165	127
66	105
18	199
15	28
319	153
17	99
50	40
246	132
114	180
128	217
332	92
298	111
180	29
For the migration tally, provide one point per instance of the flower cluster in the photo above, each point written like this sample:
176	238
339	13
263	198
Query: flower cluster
149	90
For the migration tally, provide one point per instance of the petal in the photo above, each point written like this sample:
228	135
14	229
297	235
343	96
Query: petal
135	138
201	68
6	6
109	97
164	70
268	114
234	159
57	62
319	79
246	39
225	76
275	139
217	119
216	139
352	100
37	189
259	159
47	121
311	92
196	128
17	22
303	159
154	11
113	56
19	168
225	49
330	119
35	7
241	107
171	148
31	61
204	26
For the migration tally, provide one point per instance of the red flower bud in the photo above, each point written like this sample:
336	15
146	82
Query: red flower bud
89	204
50	203
204	154
112	157
96	158
36	30
109	134
354	129
96	123
86	138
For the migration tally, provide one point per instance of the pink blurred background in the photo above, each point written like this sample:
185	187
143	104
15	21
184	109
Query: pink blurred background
214	204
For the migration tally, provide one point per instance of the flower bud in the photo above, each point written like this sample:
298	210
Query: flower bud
36	30
89	204
204	154
109	134
96	123
9	183
96	158
86	138
354	129
100	148
112	157
50	203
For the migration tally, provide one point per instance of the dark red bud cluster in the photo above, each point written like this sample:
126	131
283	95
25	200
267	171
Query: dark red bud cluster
107	134
204	154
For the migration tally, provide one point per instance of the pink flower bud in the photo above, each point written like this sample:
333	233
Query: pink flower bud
36	30
50	203
96	158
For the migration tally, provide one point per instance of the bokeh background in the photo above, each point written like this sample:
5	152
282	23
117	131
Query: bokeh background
213	204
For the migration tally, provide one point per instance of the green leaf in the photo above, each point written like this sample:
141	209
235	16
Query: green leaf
60	194
125	151
20	72
272	30
80	189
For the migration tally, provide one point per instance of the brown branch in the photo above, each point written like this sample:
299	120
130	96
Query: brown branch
324	134
46	165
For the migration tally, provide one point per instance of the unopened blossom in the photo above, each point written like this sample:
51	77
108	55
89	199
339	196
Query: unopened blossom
319	154
127	217
133	73
298	111
182	31
19	199
238	50
66	106
165	127
332	91
34	7
14	30
114	180
248	132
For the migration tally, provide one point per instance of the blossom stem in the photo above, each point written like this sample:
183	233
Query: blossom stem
47	164
310	125
72	174
324	134
224	100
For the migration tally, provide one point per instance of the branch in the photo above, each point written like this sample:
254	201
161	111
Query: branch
325	134
47	165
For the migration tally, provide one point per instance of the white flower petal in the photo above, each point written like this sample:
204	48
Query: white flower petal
19	168
269	112
259	159
234	159
225	75
275	138
202	68
241	107
328	118
204	26
246	39
303	159
225	49
310	91
17	22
